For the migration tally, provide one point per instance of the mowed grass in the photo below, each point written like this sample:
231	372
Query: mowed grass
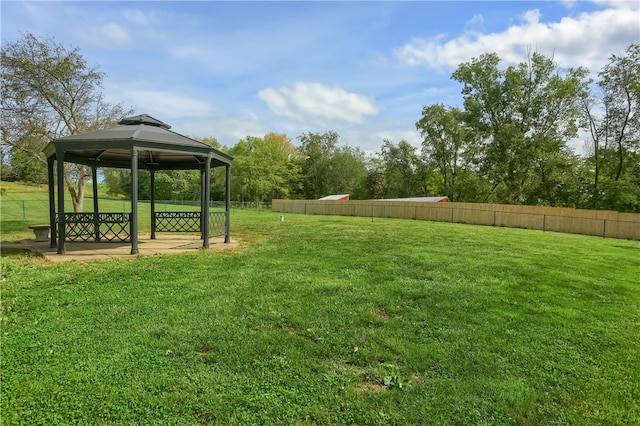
330	320
22	205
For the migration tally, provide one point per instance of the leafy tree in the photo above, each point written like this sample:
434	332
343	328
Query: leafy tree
317	170
558	180
613	120
265	168
444	145
523	116
329	169
402	168
375	184
351	172
117	181
26	166
49	91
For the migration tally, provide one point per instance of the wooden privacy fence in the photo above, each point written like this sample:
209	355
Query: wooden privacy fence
603	223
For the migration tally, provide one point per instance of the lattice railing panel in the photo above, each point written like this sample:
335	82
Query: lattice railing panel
217	222
178	221
111	226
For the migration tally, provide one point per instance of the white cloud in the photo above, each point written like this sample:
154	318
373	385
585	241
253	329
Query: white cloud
411	136
115	33
624	4
108	36
569	4
317	103
475	24
137	17
227	129
586	40
162	103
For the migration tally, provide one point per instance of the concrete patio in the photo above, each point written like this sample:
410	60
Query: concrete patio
89	251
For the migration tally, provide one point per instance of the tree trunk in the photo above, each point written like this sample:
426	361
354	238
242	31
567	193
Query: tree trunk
77	192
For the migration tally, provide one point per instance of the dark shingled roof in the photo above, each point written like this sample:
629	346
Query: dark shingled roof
157	146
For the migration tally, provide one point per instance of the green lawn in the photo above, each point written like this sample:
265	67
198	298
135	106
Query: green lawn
330	320
21	206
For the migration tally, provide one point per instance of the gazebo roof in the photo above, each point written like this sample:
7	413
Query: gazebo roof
158	147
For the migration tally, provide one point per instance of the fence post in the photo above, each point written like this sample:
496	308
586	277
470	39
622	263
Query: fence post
372	204
544	222
604	228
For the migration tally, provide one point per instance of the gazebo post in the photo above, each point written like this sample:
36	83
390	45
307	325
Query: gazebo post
61	221
96	219
205	198
52	201
202	197
227	205
152	183
134	201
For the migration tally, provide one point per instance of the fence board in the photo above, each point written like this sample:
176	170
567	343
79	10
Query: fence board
608	224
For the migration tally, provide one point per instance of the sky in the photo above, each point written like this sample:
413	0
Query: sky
362	69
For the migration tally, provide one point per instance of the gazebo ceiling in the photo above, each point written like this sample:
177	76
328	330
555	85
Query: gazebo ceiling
158	147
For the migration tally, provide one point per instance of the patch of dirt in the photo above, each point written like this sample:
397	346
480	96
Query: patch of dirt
370	387
380	314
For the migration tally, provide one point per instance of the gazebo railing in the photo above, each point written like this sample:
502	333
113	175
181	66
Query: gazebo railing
189	222
217	223
117	226
177	221
109	226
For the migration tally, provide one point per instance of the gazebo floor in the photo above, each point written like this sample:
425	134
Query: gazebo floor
88	251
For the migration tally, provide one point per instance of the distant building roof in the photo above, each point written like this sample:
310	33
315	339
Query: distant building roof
420	199
338	197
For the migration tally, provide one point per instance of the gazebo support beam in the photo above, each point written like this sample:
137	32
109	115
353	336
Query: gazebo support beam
227	206
61	222
52	201
96	210
202	198
205	210
134	201
152	183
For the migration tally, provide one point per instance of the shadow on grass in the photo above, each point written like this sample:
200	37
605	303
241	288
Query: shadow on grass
16	251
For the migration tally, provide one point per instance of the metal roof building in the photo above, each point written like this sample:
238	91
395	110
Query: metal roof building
337	197
420	199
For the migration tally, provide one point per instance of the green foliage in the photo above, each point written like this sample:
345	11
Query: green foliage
27	164
328	169
446	147
265	168
523	117
375	184
510	142
615	134
403	171
394	378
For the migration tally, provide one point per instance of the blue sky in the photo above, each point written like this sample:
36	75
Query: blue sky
363	69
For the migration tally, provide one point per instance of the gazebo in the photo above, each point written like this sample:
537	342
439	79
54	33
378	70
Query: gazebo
140	142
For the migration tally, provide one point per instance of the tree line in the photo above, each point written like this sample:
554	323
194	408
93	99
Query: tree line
508	142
